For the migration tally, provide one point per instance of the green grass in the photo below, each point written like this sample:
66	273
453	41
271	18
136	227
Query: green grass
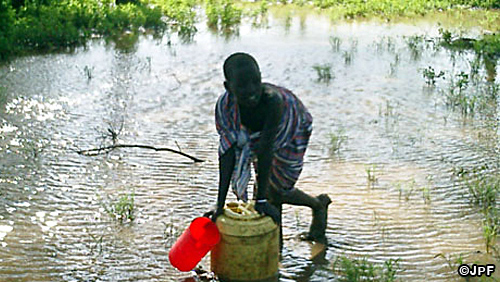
430	75
49	24
337	140
484	192
54	25
122	209
470	96
335	42
389	8
45	25
361	270
472	92
371	176
324	72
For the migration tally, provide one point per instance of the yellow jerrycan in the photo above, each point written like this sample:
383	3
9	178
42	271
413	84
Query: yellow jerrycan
249	245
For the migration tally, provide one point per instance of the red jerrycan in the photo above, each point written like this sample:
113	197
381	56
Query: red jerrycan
196	241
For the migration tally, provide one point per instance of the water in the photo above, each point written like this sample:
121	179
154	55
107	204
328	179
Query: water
53	222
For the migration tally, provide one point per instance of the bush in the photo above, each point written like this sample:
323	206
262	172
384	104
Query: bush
52	28
7	20
49	24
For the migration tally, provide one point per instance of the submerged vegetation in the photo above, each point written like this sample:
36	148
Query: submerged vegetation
324	73
122	208
357	8
484	193
337	140
44	25
471	92
359	270
430	75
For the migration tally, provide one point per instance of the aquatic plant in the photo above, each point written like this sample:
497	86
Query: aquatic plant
347	55
393	66
335	42
458	98
88	72
426	195
430	75
415	44
337	139
484	190
122	209
360	270
406	190
486	48
453	261
324	72
96	244
371	174
491	229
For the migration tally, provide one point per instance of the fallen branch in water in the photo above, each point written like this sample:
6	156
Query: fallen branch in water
107	149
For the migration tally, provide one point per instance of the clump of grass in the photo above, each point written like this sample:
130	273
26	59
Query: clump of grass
487	47
337	139
335	42
393	66
415	44
453	261
458	98
122	209
406	191
491	229
96	246
371	174
484	190
426	195
324	72
430	75
361	270
347	55
88	72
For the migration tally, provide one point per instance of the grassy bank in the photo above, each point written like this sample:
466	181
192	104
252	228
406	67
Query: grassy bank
44	25
361	8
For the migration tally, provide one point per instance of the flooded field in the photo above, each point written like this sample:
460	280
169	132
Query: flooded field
385	147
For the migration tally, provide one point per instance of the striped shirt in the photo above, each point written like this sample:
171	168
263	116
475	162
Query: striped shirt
289	146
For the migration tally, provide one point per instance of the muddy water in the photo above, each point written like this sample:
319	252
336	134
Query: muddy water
53	224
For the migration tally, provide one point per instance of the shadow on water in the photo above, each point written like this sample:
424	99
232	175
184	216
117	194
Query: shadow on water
390	145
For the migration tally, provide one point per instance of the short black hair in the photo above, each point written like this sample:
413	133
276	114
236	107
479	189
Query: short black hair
239	60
